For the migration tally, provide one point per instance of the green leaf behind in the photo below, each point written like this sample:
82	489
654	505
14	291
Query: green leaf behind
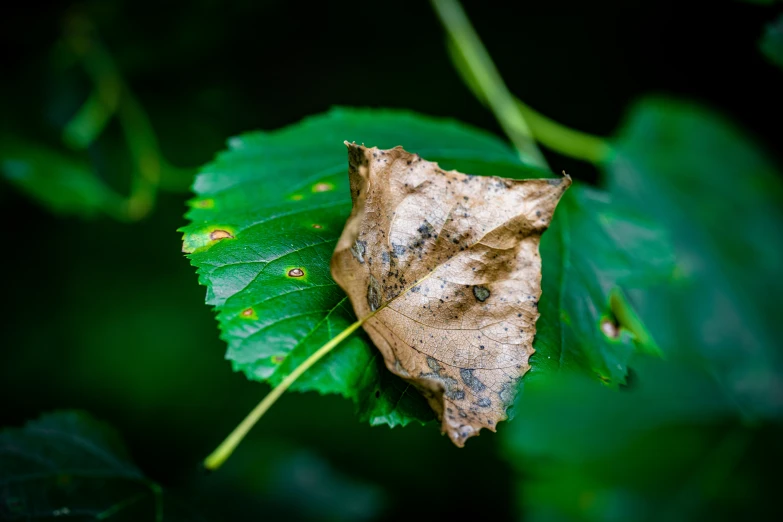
663	447
68	464
771	43
593	247
60	183
721	199
685	438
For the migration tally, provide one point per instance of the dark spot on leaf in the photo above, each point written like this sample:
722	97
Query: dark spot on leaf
481	293
374	294
507	393
484	402
426	230
455	395
296	272
358	249
471	381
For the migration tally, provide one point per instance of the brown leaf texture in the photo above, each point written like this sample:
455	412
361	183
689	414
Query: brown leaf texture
447	266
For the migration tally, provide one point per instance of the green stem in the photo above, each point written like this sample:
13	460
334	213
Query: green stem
227	447
566	141
551	134
488	79
112	97
93	116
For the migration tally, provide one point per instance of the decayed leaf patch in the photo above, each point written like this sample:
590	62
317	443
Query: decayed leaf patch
446	267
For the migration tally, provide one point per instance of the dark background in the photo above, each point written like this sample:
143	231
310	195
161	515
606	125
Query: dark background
108	317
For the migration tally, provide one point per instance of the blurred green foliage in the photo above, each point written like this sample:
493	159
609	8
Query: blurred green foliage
57	181
721	198
106	316
69	465
772	41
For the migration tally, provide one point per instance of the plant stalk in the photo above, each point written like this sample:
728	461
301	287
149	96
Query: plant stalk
547	132
489	80
227	447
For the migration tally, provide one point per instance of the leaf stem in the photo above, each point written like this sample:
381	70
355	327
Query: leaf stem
112	97
227	447
488	79
565	140
93	116
548	132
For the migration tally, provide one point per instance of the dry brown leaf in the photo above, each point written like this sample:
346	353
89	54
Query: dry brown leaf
447	266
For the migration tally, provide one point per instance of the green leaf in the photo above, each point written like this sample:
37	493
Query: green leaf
291	482
60	183
771	43
674	442
663	446
277	202
68	464
593	247
721	199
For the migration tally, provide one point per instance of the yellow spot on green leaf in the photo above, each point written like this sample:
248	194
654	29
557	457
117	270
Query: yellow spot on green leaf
203	203
218	234
202	238
323	187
